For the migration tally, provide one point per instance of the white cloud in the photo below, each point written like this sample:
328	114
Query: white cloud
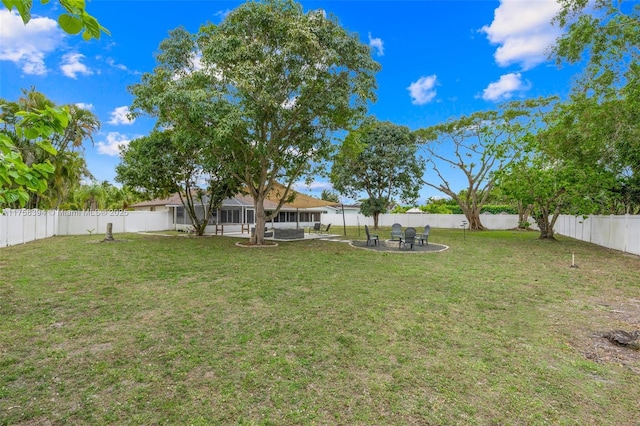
27	45
377	44
505	88
289	103
196	61
523	30
120	116
423	91
113	143
112	63
71	65
82	105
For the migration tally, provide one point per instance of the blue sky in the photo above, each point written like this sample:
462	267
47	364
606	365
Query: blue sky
440	60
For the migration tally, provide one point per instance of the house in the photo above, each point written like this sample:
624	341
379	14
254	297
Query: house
158	205
348	208
414	210
237	213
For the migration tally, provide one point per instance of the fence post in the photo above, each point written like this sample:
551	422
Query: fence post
626	232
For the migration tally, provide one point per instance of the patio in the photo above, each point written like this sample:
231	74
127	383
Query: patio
284	236
393	246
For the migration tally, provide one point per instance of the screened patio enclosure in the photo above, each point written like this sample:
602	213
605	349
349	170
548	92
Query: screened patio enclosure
238	214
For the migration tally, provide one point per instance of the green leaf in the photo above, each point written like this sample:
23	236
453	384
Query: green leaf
91	25
70	24
44	168
22	6
48	147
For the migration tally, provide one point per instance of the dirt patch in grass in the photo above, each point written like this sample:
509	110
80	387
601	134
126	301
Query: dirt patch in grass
618	314
254	245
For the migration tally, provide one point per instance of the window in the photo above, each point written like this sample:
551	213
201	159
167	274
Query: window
230	216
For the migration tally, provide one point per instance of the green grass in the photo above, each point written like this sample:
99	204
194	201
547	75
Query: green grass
175	330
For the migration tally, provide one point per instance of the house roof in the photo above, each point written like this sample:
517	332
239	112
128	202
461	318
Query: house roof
171	201
301	201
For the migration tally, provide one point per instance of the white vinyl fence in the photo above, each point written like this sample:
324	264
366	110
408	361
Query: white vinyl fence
449	221
615	232
19	226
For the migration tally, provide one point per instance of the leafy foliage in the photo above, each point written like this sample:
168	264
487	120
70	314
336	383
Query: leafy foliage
16	177
483	143
329	195
379	159
64	152
603	116
555	179
171	161
74	20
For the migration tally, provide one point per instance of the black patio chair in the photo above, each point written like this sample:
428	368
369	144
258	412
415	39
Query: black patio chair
424	237
371	238
409	238
322	231
315	228
396	231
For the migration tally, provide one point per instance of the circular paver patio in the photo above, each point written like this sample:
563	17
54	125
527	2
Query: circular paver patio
393	247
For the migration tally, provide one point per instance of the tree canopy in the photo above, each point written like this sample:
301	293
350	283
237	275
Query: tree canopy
604	108
379	159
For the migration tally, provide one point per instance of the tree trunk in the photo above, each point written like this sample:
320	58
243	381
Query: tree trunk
523	215
109	236
546	228
376	216
261	221
473	217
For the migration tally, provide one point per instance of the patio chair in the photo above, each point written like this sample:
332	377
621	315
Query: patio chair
396	231
409	238
322	231
371	238
424	237
315	228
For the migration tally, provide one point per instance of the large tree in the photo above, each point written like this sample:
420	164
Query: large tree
478	146
379	159
169	162
605	98
270	85
552	181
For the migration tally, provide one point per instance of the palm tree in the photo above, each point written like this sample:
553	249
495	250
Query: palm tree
71	170
92	197
82	126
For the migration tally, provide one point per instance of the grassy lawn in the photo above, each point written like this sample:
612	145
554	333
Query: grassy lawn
176	330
